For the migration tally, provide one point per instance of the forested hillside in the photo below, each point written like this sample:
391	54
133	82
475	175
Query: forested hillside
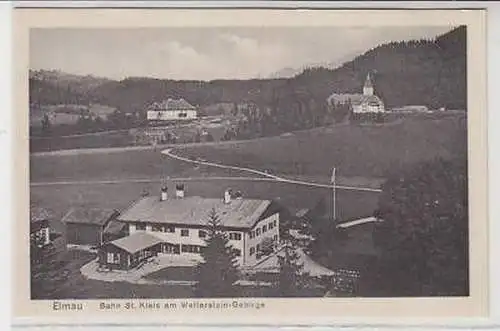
423	72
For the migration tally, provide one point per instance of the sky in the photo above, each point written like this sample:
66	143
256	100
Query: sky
206	53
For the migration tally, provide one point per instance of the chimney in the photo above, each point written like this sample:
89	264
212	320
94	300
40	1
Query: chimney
179	191
227	196
164	194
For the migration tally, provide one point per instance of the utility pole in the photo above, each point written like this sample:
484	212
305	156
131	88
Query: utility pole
334	204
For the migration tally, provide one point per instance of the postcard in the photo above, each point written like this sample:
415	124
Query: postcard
246	166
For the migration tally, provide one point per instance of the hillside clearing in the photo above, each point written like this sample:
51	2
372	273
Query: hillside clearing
353	150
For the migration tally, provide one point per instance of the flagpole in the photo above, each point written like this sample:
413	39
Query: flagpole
333	210
334	196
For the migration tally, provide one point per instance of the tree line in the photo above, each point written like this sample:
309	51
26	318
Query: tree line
422	72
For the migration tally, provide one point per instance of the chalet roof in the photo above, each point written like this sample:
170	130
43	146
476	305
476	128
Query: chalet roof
359	221
114	227
311	267
242	213
38	214
82	215
354	98
136	242
172	104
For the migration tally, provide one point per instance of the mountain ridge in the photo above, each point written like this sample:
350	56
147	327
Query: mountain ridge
427	72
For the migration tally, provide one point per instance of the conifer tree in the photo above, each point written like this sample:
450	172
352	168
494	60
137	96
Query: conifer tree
48	272
291	277
218	272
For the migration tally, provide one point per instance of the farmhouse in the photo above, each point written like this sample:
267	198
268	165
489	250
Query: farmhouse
367	102
180	223
39	227
86	226
171	110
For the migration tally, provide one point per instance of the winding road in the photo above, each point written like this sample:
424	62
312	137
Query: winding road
268	177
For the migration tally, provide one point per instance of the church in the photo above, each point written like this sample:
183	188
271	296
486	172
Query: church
367	102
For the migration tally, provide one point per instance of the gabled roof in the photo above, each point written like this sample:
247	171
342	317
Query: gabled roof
354	98
311	267
368	81
136	242
38	214
193	210
114	227
360	221
172	104
82	215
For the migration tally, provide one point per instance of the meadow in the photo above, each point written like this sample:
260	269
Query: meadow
355	150
363	154
104	164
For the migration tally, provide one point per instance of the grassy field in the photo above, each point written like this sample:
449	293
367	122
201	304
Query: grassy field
368	151
101	140
136	164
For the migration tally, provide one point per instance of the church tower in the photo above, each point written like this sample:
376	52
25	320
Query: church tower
368	88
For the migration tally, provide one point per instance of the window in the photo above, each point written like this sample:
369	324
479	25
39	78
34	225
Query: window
202	234
274	223
252	250
113	258
264	228
191	248
140	226
258	247
275	237
157	228
237	252
184	233
234	236
170	229
270	226
257	233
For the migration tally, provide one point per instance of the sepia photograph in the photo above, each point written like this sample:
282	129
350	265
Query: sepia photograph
232	161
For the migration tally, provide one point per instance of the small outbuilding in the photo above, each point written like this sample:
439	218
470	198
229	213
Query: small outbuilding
129	252
86	226
39	227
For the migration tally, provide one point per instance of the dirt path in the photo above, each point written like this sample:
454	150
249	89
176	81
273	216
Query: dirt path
168	152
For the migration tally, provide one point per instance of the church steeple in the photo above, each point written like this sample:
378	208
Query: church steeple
368	87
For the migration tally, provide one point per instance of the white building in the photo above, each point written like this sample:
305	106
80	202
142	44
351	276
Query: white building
171	110
367	102
181	222
39	227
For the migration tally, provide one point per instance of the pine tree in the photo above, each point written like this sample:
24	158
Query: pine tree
424	209
218	272
46	125
48	272
291	277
